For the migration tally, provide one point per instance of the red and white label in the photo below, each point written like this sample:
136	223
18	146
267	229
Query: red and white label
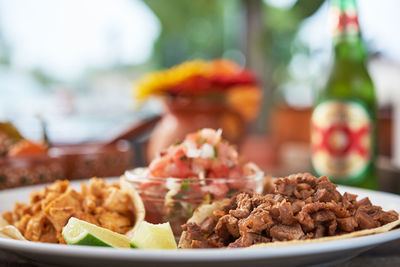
341	139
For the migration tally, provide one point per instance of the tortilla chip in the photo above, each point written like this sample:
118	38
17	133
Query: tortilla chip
138	205
205	211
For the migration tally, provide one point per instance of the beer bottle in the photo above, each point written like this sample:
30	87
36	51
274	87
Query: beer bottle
343	122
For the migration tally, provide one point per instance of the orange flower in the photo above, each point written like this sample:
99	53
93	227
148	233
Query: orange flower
157	83
245	100
194	78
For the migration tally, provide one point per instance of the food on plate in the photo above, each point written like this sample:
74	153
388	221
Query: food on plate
202	168
301	208
78	232
116	207
154	236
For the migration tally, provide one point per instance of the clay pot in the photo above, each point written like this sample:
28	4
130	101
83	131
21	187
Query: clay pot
21	171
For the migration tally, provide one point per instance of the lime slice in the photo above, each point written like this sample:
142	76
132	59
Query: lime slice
78	232
154	236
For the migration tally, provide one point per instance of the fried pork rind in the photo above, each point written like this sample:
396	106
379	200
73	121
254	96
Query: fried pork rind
116	207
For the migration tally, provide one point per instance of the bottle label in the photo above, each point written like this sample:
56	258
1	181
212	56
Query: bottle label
344	20
341	140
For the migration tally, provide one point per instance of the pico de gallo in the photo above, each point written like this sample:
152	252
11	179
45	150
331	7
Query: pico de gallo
201	168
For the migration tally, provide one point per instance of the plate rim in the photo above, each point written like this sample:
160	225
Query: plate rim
201	255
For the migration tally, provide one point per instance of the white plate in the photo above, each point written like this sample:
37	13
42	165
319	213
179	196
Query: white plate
292	255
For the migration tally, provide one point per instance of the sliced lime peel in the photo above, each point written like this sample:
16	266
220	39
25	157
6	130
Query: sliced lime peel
78	232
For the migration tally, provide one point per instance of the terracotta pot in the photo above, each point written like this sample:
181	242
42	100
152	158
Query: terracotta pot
88	160
188	115
21	171
66	162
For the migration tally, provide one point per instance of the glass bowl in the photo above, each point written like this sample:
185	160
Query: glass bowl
174	200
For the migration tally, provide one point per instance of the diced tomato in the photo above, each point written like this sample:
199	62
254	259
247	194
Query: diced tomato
158	165
219	172
191	159
201	164
227	152
182	164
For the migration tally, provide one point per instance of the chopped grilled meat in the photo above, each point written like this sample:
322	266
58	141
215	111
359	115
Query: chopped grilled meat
363	202
283	232
226	226
249	239
300	206
200	244
323	216
244	206
297	205
347	224
208	225
193	232
286	213
319	231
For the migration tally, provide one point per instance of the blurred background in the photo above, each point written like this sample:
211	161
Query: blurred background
73	63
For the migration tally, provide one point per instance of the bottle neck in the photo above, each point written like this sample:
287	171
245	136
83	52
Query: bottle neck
348	43
350	52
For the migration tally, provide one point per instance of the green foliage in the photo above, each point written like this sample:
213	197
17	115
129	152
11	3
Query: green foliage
280	30
306	8
42	77
207	28
191	29
5	52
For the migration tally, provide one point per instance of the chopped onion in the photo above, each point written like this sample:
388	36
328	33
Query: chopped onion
174	188
206	151
192	151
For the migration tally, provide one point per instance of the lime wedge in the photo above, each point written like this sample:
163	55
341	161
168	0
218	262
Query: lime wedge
78	232
154	236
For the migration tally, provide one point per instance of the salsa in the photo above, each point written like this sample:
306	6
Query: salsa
200	169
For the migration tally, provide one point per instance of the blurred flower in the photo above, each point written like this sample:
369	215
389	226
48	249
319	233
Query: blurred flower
245	100
196	77
219	79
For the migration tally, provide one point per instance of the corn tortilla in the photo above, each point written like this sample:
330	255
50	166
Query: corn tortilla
140	211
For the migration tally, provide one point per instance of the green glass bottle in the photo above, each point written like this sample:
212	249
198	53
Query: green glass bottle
343	122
